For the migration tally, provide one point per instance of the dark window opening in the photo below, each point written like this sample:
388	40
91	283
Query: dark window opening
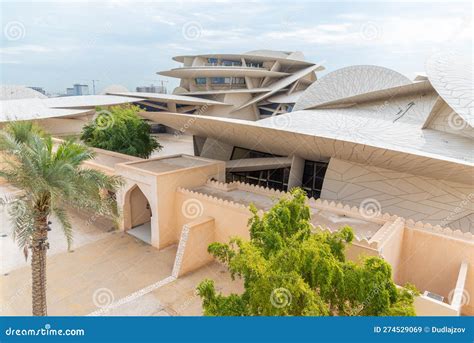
271	178
313	178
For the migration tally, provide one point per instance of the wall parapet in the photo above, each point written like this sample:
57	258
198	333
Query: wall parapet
385	233
213	199
364	242
445	231
390	223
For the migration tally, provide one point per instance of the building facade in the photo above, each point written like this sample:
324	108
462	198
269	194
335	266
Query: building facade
256	84
360	134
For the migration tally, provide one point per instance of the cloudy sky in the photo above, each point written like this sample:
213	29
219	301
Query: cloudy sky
54	44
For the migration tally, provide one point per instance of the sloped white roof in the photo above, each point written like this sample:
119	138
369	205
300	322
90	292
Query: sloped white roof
315	134
350	81
180	99
38	108
10	92
282	83
113	89
451	74
33	108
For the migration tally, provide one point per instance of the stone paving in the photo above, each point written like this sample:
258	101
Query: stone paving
95	274
179	298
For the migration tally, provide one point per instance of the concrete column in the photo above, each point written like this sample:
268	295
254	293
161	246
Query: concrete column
172	107
296	172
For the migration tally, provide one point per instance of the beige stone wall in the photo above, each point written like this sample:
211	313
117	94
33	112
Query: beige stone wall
139	208
192	254
230	219
426	256
160	190
431	262
391	248
425	306
166	194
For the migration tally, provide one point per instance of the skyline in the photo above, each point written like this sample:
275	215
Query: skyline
51	46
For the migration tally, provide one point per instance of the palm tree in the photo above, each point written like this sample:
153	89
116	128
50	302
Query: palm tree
51	178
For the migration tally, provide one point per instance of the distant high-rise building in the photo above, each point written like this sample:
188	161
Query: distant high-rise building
81	89
78	89
38	89
152	89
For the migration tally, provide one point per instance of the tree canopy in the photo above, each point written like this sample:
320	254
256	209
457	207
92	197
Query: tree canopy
120	129
288	269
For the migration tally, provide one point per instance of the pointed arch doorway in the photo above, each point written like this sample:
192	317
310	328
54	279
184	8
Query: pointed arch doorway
138	214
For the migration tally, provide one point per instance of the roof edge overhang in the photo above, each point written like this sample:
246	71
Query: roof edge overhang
428	164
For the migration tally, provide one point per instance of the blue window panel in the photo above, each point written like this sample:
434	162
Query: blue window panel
200	80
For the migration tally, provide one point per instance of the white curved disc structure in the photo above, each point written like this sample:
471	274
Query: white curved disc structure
452	76
348	82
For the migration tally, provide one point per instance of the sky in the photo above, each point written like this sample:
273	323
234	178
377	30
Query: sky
56	44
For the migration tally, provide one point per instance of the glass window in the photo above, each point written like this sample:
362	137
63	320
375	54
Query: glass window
231	63
212	61
238	80
273	178
313	177
255	64
218	80
200	80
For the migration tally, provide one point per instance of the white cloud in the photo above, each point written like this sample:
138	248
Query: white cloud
27	48
162	20
334	27
387	31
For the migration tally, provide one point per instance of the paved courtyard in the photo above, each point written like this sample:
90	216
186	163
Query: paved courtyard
104	267
95	274
174	144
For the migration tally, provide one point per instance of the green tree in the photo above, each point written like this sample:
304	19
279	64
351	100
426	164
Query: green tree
289	270
120	129
51	178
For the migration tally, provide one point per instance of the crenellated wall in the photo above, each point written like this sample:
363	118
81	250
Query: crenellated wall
425	255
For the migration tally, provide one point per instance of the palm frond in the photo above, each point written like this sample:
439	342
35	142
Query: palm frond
22	219
66	226
50	178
